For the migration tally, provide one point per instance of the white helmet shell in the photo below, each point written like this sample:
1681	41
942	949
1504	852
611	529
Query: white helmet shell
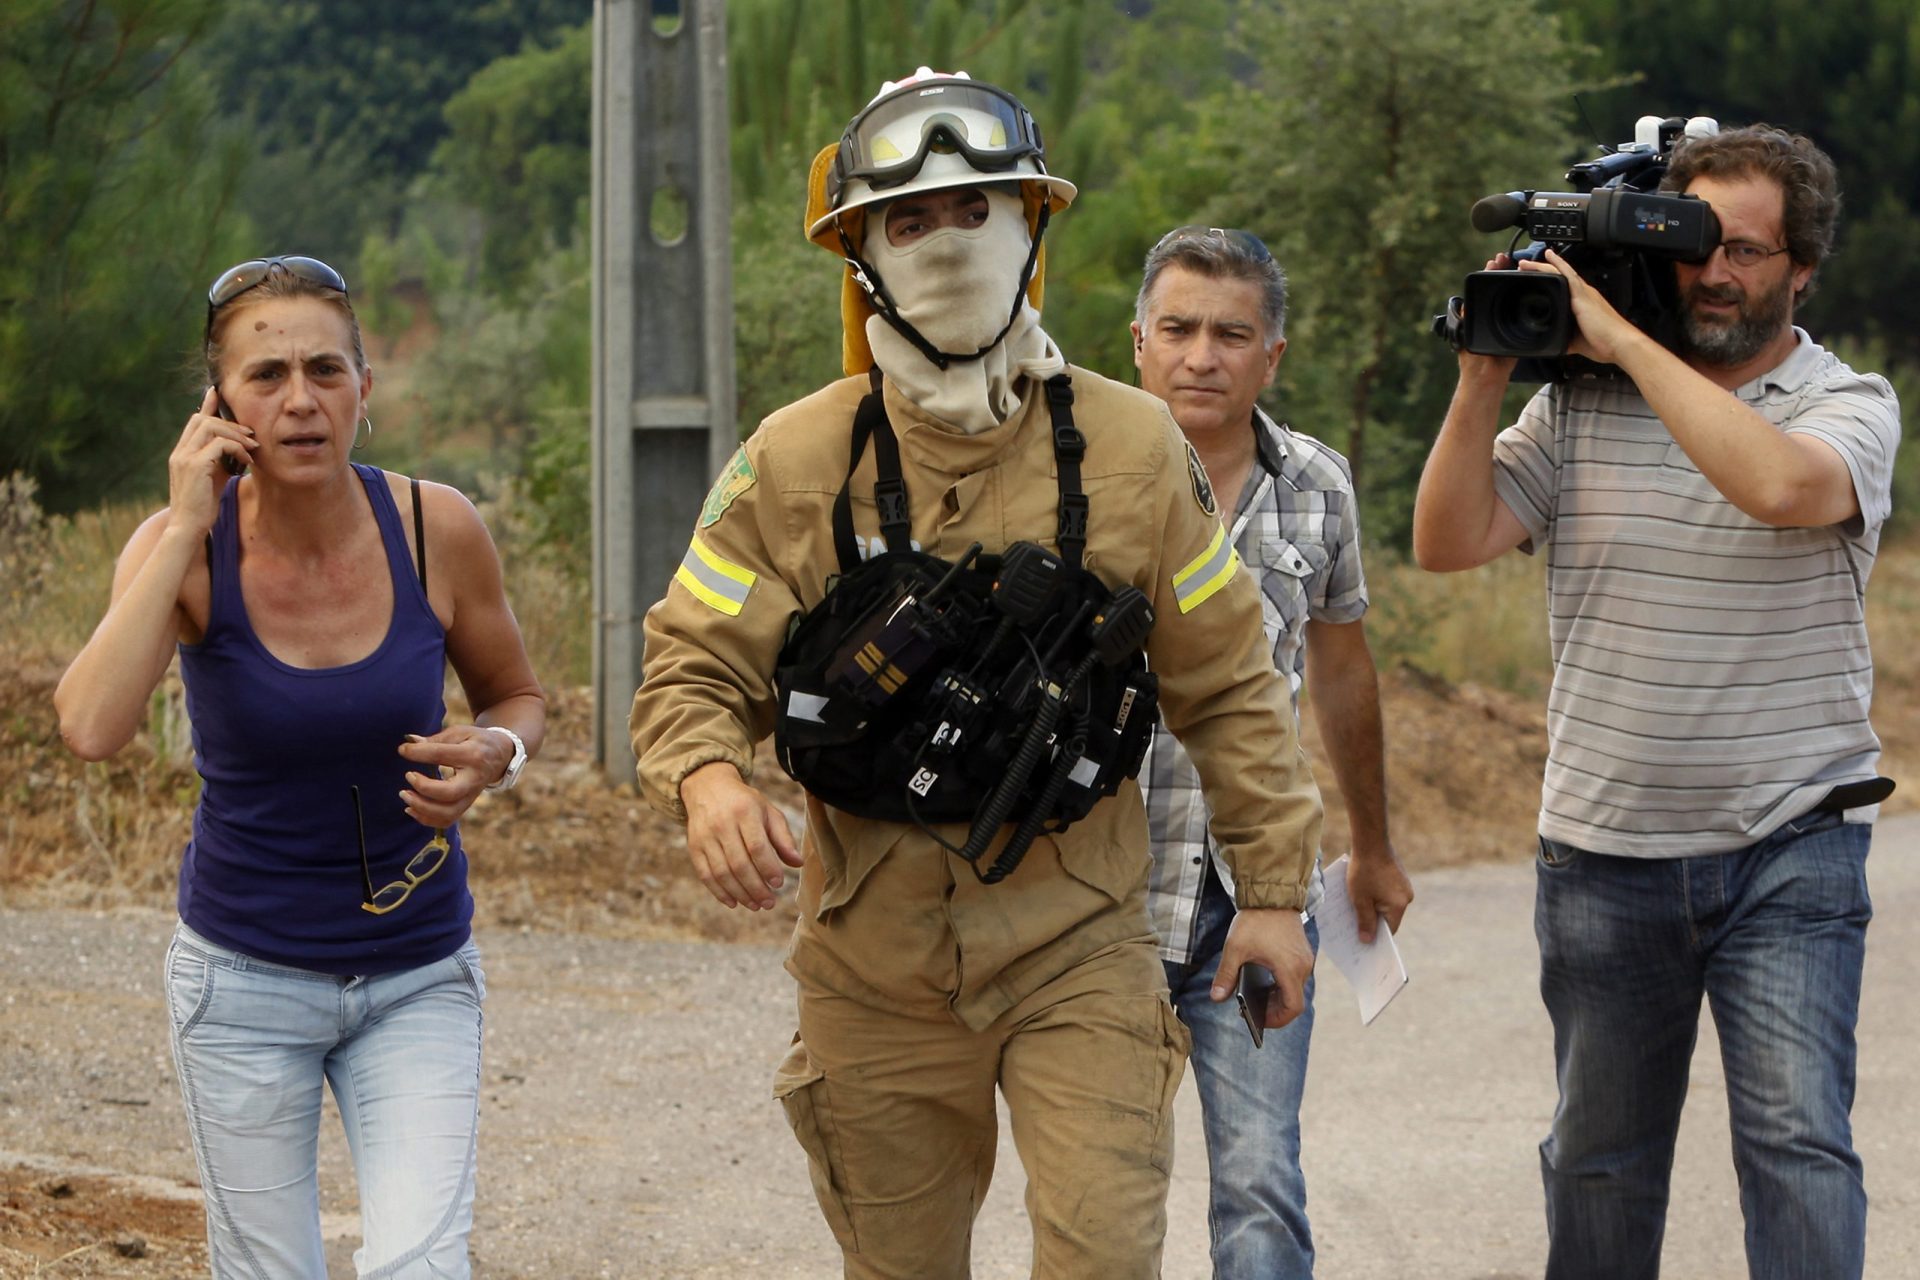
936	131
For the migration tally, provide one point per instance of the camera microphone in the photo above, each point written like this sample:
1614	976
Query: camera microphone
1497	213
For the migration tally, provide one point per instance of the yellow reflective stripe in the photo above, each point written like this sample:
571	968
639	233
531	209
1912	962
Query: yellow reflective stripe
1207	573
718	583
1204	591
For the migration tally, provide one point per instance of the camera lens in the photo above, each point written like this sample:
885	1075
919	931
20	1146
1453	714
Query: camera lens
1525	319
1533	315
1515	313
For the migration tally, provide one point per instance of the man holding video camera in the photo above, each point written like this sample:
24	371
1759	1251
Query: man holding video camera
1711	517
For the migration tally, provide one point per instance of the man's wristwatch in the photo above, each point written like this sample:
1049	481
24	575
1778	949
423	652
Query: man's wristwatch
515	765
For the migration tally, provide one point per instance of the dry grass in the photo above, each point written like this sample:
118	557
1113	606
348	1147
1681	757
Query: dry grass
1464	663
1486	628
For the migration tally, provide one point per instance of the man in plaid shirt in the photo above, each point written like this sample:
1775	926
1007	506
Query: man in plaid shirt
1207	337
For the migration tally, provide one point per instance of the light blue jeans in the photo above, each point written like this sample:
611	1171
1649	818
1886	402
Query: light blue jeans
1250	1111
1774	936
253	1042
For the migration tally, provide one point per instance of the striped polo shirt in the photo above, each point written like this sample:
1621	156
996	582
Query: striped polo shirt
1711	674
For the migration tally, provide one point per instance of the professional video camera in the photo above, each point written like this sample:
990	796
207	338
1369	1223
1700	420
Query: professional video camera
1614	229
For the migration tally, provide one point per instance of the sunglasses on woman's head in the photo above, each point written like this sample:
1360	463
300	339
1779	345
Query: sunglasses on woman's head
240	277
237	279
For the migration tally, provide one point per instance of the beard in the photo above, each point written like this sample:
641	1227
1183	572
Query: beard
1727	343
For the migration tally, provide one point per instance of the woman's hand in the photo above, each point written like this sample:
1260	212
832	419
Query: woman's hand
463	760
195	475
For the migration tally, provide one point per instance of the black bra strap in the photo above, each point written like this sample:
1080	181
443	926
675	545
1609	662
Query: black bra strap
419	535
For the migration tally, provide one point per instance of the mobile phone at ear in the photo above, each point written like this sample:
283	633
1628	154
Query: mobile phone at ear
234	466
1257	991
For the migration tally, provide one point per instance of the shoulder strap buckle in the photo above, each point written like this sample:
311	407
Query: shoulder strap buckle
896	526
1069	445
1073	523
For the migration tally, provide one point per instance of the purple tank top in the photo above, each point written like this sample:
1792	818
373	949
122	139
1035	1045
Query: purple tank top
273	869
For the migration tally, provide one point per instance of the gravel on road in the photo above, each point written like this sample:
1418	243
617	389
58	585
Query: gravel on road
627	1126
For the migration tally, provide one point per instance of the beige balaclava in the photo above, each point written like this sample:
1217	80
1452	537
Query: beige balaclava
955	286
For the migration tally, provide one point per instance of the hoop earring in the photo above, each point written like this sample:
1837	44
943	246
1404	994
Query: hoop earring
358	443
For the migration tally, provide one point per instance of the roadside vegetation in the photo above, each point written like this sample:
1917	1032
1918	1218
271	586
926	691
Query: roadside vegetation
438	153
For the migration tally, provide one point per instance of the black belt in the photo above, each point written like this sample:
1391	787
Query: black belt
1854	795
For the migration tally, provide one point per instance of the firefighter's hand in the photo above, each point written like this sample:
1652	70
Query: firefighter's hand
1277	940
736	837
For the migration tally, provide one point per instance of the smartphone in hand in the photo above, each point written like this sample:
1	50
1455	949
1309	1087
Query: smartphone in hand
1258	990
234	466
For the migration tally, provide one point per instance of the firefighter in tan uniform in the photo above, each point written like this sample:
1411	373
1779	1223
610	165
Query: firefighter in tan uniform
921	988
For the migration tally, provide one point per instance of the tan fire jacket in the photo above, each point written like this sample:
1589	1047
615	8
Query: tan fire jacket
887	917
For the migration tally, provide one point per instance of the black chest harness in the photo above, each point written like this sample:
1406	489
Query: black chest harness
997	689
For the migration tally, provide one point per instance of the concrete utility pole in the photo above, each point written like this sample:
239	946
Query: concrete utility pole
663	396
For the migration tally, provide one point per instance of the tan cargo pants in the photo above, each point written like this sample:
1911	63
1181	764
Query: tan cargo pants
898	1120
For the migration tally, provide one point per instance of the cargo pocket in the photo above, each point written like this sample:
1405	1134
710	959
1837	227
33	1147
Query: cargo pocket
801	1088
1114	869
1176	1047
845	865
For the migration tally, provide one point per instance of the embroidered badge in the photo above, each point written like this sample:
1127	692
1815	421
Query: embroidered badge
1202	491
735	479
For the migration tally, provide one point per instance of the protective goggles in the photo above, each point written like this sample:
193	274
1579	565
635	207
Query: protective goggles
1245	241
888	142
236	280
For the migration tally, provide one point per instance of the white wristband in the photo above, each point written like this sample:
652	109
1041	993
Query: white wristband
515	765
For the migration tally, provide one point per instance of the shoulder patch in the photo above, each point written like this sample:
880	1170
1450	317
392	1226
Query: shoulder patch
1202	491
735	479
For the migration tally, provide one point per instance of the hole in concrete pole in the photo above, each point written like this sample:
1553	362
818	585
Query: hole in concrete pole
667	216
665	16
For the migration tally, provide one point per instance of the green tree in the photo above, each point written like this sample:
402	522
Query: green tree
115	211
1139	144
345	99
517	149
1369	131
799	69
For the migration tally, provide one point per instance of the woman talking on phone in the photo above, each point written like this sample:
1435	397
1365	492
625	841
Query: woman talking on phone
324	909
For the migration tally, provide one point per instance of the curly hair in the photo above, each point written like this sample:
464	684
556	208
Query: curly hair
1805	173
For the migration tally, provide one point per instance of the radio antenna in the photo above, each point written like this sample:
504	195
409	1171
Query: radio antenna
1606	149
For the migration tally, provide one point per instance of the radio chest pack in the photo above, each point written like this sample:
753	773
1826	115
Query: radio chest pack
997	689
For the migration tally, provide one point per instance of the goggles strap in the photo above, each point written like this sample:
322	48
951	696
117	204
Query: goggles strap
883	304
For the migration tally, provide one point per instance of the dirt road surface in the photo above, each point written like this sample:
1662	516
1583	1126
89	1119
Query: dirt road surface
628	1130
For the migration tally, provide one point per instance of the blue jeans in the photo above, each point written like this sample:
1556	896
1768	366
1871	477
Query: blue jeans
1774	936
253	1042
1250	1110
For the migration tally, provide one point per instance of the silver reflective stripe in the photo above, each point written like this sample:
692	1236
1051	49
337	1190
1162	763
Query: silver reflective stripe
806	706
1207	573
719	583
